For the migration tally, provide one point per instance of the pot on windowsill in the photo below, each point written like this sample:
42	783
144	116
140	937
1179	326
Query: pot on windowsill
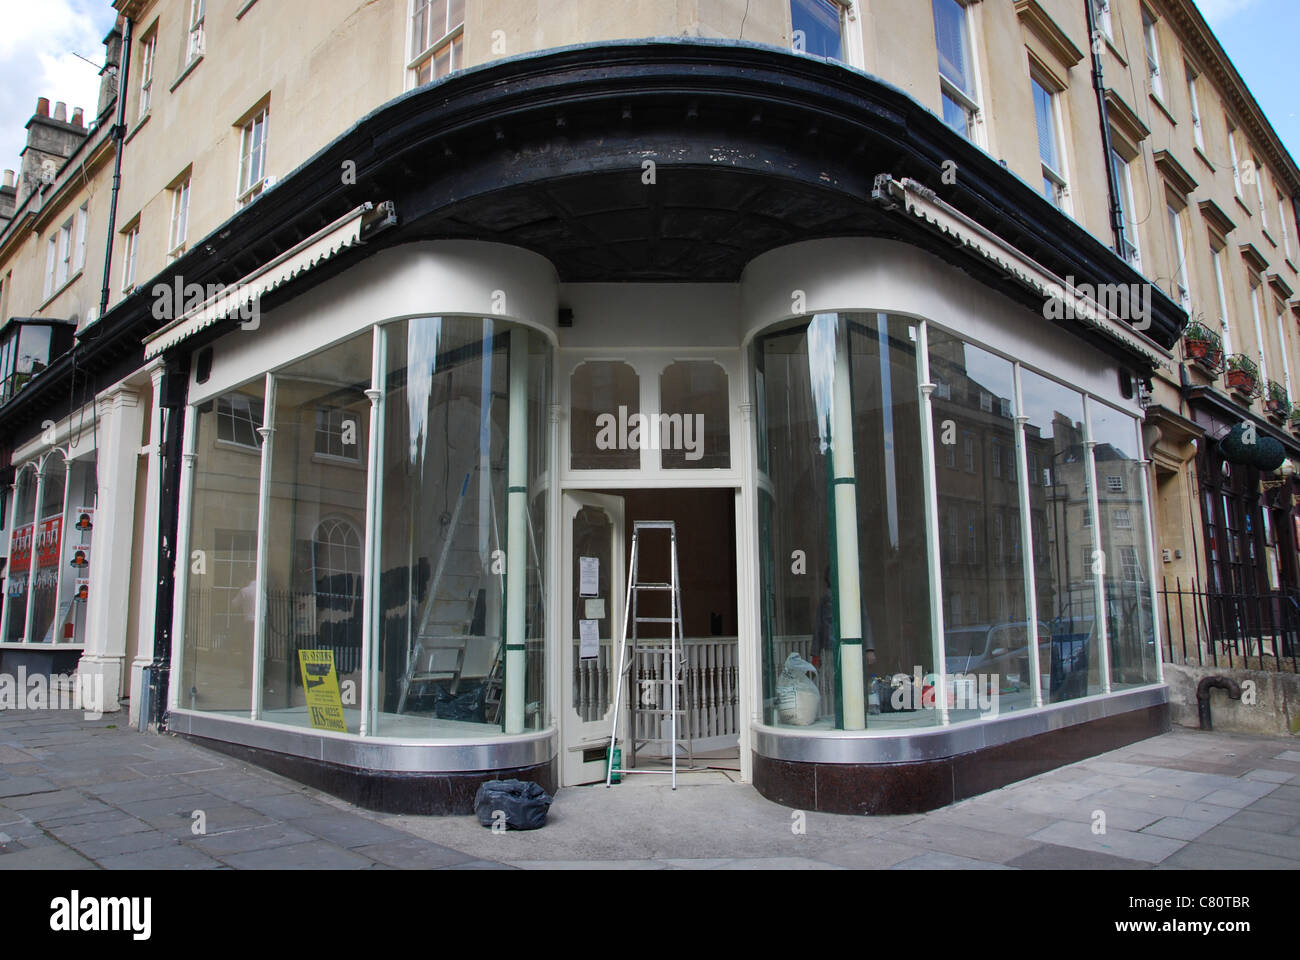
1240	382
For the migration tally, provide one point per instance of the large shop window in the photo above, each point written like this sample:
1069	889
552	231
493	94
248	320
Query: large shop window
842	522
452	492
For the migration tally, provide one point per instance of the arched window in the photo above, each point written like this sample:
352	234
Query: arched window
336	575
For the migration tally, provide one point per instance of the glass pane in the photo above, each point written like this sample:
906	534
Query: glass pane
49	534
1129	620
70	625
221	603
1058	504
593	533
605	429
1045	118
846	382
21	544
694	431
950	36
316	527
986	635
816	26
448	508
956	116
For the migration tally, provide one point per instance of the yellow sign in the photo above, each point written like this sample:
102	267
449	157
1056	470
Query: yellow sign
324	705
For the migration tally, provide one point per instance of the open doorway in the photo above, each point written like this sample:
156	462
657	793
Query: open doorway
599	527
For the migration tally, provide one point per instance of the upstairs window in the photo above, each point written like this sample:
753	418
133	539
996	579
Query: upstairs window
1232	152
1259	193
239	417
1101	11
1194	102
194	40
148	51
817	27
1282	220
1124	180
130	249
180	218
1047	117
252	157
437	34
956	67
1216	255
1153	54
1179	250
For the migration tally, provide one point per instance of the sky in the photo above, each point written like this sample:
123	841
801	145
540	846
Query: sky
40	39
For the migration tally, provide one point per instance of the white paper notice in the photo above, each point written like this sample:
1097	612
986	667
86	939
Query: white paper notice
588	576
589	639
595	609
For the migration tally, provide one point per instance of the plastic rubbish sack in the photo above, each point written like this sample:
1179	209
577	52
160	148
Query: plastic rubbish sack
460	706
519	804
797	697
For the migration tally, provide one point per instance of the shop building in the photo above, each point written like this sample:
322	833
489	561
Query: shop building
450	356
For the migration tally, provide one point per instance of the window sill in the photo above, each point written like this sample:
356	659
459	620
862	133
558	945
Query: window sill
185	73
1204	159
1291	263
1114	51
1242	203
244	8
58	291
138	124
329	460
1268	236
1163	109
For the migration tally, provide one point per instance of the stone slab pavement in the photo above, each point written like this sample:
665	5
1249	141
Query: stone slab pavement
93	794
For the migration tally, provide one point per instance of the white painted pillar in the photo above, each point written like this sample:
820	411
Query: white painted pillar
267	432
146	607
181	569
121	424
1027	544
516	658
1098	556
934	545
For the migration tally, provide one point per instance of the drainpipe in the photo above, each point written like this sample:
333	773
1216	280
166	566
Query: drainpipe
174	388
119	134
1203	696
1099	87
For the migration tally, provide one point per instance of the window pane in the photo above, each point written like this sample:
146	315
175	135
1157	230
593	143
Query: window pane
812	439
221	602
1045	117
605	408
991	642
1129	618
816	25
21	550
956	116
954	49
316	526
1062	540
694	431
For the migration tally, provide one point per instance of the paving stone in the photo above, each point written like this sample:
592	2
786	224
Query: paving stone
1055	857
293	806
947	861
1257	841
1270	776
1178	828
702	863
1291	756
779	863
870	854
126	844
246	839
348	829
152	788
98	828
23	786
1118	843
1205	856
191	764
480	865
1242	796
412	854
316	855
1252	819
45	858
964	841
174	856
605	865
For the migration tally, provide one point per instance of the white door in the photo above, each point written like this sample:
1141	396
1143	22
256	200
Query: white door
593	542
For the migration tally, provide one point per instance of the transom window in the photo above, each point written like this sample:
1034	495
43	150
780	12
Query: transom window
437	31
956	67
252	157
817	27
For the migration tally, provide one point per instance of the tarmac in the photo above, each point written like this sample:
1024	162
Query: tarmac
94	794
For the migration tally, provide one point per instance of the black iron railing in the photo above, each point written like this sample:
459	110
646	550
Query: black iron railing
1259	631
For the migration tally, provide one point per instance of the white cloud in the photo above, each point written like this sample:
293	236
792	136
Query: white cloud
1219	12
36	60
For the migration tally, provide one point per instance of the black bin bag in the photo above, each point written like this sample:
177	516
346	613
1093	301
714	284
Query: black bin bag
524	804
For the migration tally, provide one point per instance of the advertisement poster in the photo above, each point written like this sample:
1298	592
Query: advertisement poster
48	537
20	549
79	555
85	518
324	705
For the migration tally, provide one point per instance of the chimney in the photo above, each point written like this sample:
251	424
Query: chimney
8	194
108	72
50	141
78	117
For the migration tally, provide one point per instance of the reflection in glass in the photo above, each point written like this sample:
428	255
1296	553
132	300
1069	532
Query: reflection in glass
45	556
841	515
986	633
316	523
1063	546
1123	525
604	396
221	604
461	539
696	434
21	543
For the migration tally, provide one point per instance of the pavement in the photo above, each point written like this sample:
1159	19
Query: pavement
93	794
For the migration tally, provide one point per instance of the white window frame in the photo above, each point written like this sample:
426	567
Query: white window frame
968	100
148	54
1259	192
1058	178
194	39
1216	255
180	218
1151	40
1286	231
64	265
1114	483
1194	99
1181	286
252	159
239	408
1236	164
1281	345
453	37
79	258
51	255
1121	519
1124	174
130	250
1257	291
1104	21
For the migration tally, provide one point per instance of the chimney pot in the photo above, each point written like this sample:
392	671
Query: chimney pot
61	111
42	106
77	116
9	178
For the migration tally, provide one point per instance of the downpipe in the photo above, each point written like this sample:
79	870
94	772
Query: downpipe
1203	696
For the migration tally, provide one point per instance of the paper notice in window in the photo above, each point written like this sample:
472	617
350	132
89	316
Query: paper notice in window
588	576
589	639
595	609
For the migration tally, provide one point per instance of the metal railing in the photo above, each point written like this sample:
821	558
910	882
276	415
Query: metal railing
1258	631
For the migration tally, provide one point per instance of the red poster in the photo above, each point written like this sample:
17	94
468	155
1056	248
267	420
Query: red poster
47	542
20	549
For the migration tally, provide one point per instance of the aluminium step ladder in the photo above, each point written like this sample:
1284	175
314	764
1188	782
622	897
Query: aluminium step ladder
649	702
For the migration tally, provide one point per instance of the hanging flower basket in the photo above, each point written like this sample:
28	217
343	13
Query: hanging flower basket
1203	347
1242	376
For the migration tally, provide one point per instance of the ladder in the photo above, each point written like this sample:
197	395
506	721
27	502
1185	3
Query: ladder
671	679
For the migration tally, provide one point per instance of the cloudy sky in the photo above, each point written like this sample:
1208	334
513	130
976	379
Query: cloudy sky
40	39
